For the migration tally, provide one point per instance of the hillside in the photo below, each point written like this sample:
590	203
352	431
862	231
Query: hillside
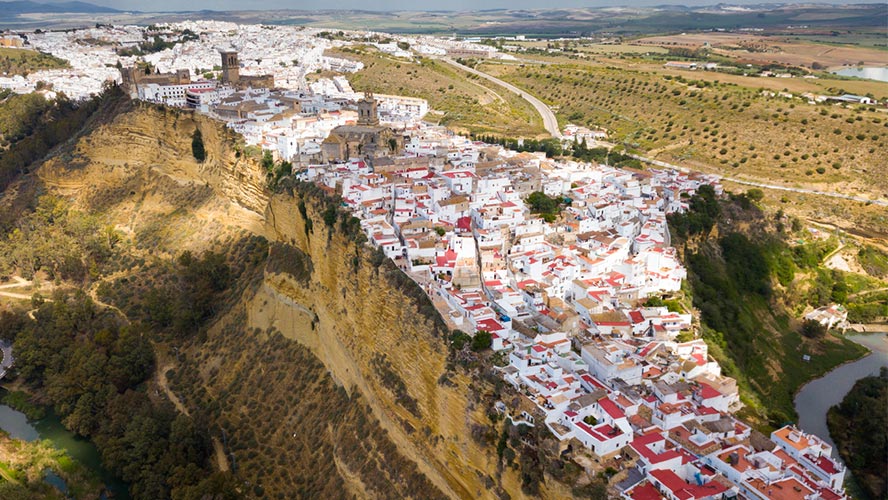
247	343
722	127
302	360
460	100
23	61
725	124
751	275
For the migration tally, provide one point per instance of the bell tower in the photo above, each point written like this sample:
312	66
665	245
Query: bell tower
230	67
367	113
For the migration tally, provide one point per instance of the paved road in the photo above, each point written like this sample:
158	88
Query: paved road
7	357
549	120
551	124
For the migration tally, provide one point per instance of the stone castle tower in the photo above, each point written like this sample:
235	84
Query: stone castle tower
367	114
230	67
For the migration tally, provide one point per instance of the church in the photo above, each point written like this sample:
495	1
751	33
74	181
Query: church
367	139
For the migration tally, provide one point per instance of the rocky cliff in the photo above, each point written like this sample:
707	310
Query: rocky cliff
330	374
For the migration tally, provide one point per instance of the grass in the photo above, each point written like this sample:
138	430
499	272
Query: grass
461	101
9	474
23	465
862	39
23	61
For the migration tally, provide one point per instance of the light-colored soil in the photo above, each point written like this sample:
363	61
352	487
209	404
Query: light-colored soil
771	49
164	385
219	454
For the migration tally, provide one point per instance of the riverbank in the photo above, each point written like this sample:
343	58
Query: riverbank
78	450
869	328
38	470
814	399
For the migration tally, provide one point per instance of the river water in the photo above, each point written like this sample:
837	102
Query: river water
870	73
50	427
818	396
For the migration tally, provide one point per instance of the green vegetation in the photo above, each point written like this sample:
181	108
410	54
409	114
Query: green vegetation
859	426
23	61
197	146
459	339
873	260
673	305
93	368
177	299
708	123
547	207
813	329
464	102
157	44
31	126
481	340
702	214
553	148
747	286
64	243
23	466
21	401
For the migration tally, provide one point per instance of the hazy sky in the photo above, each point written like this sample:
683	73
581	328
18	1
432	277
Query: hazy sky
193	5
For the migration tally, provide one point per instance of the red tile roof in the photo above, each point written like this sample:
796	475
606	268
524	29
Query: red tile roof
685	490
611	408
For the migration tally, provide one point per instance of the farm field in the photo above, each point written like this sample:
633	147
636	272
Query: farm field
771	49
716	126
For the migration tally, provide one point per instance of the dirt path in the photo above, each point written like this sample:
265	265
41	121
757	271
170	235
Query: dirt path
164	385
22	283
867	292
219	453
162	382
20	296
93	294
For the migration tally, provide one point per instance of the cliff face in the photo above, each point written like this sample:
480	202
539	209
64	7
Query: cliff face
321	293
138	169
372	338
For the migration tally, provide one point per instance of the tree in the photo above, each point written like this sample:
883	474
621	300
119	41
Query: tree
544	205
755	194
197	146
481	341
813	329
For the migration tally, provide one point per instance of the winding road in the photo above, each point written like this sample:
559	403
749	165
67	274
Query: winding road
7	361
551	124
549	120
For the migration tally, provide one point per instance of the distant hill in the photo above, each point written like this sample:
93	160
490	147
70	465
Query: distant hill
28	7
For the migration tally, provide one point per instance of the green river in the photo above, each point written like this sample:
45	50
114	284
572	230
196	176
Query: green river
50	428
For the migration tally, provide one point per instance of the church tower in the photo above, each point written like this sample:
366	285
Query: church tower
367	113
230	67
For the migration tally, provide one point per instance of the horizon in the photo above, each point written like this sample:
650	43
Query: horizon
170	6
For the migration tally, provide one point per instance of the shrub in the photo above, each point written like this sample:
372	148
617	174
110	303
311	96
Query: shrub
813	329
197	146
481	341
